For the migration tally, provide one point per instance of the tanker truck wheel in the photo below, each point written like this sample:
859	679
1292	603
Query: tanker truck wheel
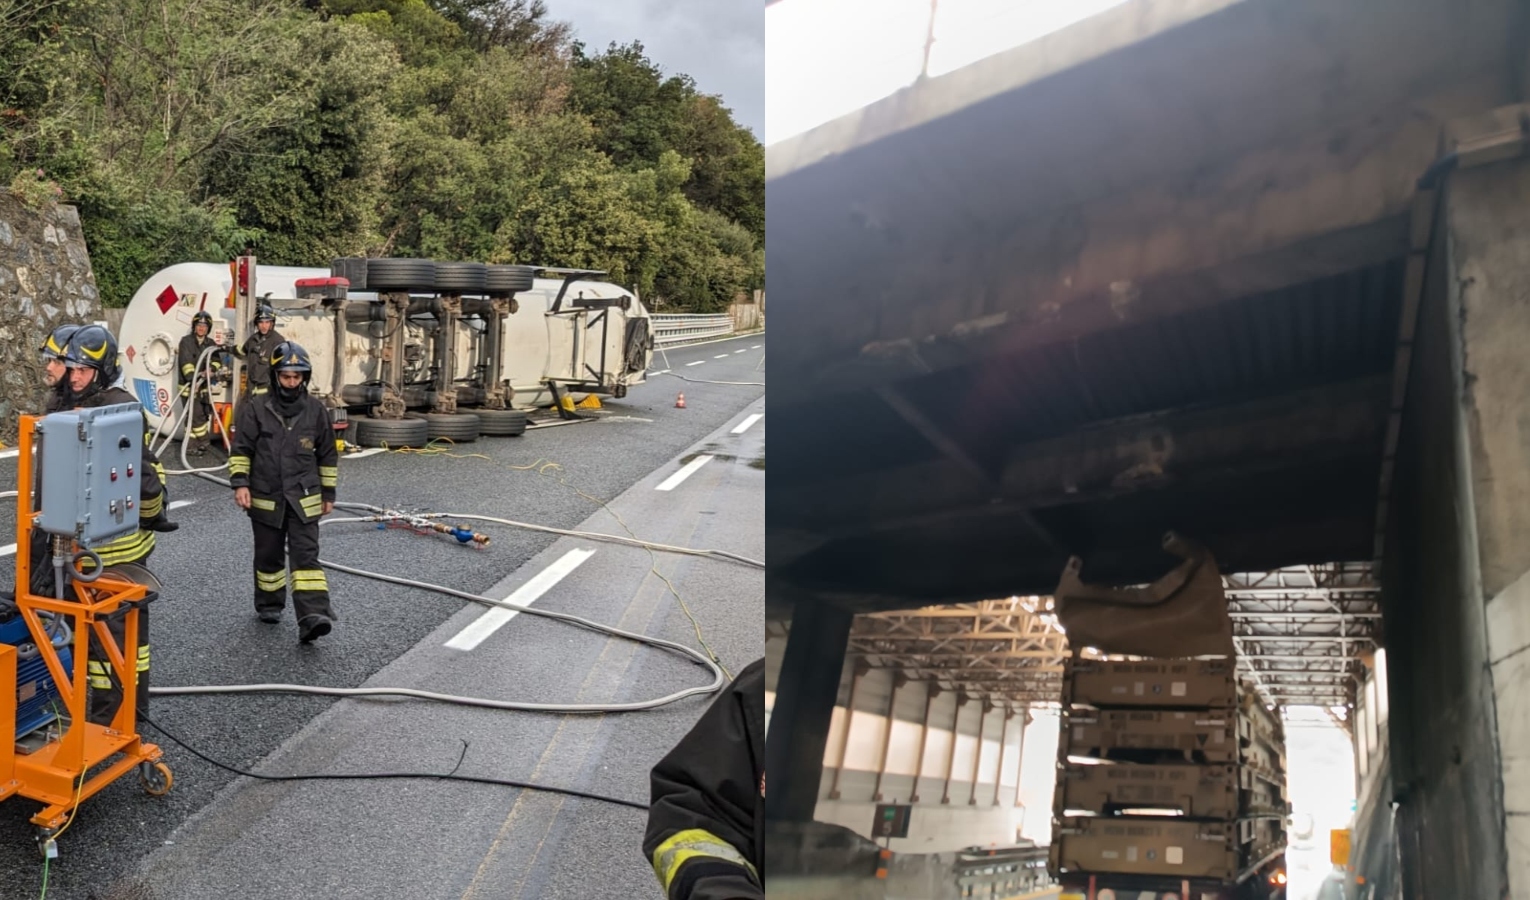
509	279
460	427
401	275
394	433
502	422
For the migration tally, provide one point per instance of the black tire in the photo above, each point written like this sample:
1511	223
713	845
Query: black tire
460	427
509	279
460	277
401	275
502	422
395	433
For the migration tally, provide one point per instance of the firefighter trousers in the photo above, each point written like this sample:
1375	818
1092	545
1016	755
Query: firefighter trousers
295	542
105	690
200	428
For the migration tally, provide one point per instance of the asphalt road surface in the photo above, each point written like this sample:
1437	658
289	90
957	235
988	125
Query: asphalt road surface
221	835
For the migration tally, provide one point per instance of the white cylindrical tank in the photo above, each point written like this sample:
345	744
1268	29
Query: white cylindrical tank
585	345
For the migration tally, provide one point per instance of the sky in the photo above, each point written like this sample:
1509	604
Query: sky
719	43
827	58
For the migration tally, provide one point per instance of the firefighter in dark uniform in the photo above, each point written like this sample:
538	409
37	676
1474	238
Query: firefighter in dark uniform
706	820
192	346
284	468
256	352
54	370
91	357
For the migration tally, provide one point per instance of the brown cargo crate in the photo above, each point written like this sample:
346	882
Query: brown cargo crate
1206	792
1139	846
1186	683
1262	793
1198	736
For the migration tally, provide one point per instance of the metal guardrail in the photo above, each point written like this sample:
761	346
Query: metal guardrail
672	330
1001	872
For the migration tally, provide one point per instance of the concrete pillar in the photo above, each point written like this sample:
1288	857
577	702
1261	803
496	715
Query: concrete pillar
892	706
1025	721
805	695
956	727
932	690
844	747
977	758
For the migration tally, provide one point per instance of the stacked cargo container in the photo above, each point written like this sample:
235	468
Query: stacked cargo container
1171	782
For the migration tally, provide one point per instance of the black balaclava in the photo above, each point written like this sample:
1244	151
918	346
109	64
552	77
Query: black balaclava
290	400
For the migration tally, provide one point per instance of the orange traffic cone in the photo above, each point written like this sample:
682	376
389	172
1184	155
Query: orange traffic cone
680	401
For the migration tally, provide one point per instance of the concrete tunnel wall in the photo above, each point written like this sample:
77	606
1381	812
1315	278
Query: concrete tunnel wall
1456	574
934	827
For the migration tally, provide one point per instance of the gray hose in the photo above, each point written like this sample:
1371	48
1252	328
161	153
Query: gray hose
381	514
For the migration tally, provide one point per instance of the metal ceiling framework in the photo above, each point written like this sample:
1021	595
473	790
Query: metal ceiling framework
1302	635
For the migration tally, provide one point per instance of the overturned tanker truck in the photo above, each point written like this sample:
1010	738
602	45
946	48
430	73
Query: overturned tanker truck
404	350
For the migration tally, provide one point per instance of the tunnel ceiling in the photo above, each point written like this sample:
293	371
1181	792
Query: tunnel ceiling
1255	426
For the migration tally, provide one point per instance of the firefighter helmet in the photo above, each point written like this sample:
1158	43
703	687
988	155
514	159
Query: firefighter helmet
289	356
264	313
202	317
93	347
58	341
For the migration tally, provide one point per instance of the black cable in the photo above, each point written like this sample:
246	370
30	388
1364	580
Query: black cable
366	776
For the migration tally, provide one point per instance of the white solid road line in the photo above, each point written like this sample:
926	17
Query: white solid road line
8	550
755	347
696	363
721	356
7	454
660	372
525	595
745	350
690	468
750	420
180	504
370	451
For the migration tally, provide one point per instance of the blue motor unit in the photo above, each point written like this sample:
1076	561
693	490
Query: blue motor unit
36	694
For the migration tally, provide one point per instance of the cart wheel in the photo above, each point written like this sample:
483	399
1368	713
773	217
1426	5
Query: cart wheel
47	847
155	778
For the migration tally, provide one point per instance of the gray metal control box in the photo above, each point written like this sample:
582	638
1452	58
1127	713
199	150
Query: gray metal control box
91	463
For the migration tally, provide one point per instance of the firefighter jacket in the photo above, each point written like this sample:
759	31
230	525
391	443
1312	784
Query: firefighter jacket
284	460
186	356
151	487
706	821
256	353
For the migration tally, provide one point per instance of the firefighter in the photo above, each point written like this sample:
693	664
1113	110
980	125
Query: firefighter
256	352
54	369
92	359
192	346
705	836
284	468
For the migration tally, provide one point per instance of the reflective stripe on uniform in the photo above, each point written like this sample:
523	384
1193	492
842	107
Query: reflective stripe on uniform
239	464
328	475
271	581
309	580
199	431
313	504
148	509
187	368
143	658
100	674
690	844
128	548
262	503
